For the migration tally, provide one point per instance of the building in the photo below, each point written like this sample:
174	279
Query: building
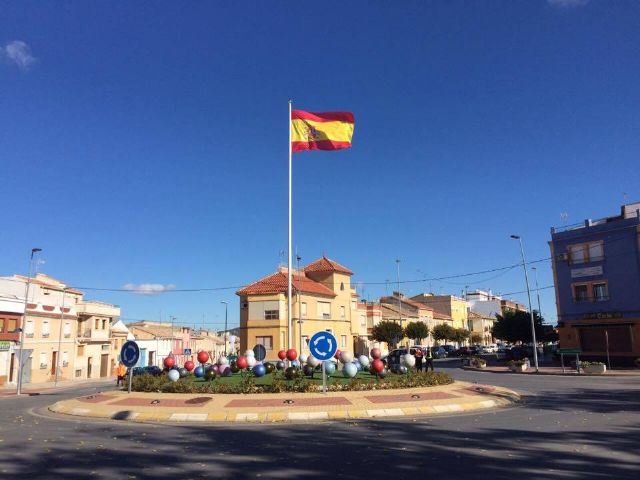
596	270
446	307
481	324
489	305
62	331
323	299
400	308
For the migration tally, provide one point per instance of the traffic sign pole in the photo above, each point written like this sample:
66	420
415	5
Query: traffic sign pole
324	379
130	378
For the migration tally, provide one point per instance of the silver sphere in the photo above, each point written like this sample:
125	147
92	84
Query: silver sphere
409	360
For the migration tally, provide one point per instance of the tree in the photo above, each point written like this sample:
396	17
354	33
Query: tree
387	331
416	330
515	326
443	332
460	335
476	338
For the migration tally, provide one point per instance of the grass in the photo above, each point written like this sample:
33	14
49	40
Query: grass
236	378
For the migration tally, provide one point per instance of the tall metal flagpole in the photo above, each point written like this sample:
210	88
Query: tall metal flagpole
290	336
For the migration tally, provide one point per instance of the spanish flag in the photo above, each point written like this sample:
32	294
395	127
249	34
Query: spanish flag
321	131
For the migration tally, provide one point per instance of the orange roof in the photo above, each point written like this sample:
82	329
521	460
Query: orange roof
277	283
324	264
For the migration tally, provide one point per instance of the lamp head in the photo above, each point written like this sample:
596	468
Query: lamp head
36	250
515	237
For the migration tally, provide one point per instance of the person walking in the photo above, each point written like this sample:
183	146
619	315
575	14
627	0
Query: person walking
121	372
428	360
419	356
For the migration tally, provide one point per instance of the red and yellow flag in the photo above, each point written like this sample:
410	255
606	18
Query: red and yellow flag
321	131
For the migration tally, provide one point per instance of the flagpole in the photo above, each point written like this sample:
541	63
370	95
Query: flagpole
289	249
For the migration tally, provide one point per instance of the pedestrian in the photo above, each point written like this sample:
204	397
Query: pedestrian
419	356
121	372
428	360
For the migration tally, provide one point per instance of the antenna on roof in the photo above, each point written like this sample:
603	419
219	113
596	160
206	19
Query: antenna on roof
564	217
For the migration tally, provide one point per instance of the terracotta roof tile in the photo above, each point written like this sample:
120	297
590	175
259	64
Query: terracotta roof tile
325	264
277	283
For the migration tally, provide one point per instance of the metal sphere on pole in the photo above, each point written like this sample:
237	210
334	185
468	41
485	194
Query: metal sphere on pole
533	325
24	321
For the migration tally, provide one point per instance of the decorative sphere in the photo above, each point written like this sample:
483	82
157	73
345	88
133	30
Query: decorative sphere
214	368
308	370
210	375
259	370
295	363
349	370
173	375
313	361
346	357
292	354
223	360
402	370
189	365
270	367
358	365
303	358
364	361
169	361
337	354
394	368
198	372
329	367
234	366
377	366
376	353
251	361
242	362
225	371
183	372
280	365
282	354
383	373
249	353
290	373
203	356
409	360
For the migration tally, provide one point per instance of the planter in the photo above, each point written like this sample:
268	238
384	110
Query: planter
595	369
518	368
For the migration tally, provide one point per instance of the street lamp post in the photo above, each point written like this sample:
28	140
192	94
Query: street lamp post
533	325
24	321
535	271
400	299
226	311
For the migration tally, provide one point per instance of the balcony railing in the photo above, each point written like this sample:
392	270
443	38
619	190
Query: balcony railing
601	298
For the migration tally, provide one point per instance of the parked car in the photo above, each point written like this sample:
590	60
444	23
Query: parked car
449	349
518	353
462	352
153	370
438	352
489	349
395	356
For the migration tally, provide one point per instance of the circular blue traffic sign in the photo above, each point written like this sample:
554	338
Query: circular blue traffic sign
130	353
323	345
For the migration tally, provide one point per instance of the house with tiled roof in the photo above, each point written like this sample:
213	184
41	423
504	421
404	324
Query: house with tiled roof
403	310
322	299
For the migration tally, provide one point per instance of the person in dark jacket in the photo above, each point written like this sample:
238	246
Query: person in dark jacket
428	360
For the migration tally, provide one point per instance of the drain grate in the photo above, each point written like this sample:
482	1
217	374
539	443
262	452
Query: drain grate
155	402
288	401
415	395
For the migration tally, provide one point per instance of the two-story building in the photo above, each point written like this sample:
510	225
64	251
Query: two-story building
596	270
322	299
446	307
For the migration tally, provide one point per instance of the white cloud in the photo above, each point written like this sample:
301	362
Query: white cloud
18	53
148	288
567	3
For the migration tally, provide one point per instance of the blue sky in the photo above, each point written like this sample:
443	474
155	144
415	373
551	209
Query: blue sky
146	142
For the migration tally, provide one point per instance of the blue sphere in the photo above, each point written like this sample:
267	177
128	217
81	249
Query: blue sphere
358	365
259	370
330	368
199	372
349	370
295	363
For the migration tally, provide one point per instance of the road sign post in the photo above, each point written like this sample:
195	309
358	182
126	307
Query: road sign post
323	346
129	356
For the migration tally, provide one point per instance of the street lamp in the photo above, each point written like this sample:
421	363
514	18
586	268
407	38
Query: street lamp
535	271
226	311
24	321
400	299
533	326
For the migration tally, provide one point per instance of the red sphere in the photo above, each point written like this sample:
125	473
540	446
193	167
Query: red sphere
282	354
377	365
376	353
189	365
337	354
203	357
241	362
292	354
169	362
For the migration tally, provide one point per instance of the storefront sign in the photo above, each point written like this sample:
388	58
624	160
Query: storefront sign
601	315
586	272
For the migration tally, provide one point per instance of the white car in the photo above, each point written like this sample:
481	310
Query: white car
490	349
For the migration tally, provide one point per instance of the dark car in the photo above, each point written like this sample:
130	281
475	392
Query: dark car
438	352
518	353
462	352
449	349
395	356
153	370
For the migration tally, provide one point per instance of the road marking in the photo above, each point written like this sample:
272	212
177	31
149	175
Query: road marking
188	417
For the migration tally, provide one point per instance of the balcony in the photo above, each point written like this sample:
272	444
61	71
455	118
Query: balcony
601	298
93	308
93	335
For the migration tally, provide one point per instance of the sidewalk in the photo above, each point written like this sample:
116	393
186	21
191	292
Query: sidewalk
288	407
556	371
9	390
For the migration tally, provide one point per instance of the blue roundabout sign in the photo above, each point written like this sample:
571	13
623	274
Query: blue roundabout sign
323	345
130	354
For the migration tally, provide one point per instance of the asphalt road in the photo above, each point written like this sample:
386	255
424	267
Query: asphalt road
567	428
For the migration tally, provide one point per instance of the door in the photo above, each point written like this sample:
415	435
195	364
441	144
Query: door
26	365
104	365
54	364
143	358
89	367
151	359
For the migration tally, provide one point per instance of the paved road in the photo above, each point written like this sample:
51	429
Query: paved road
568	428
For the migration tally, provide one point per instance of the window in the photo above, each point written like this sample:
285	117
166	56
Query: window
341	286
28	329
342	312
305	339
43	360
13	325
65	359
67	330
354	305
586	252
324	310
363	320
266	342
1	325
271	314
97	323
581	293
80	350
104	324
343	341
45	329
258	310
303	309
600	292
